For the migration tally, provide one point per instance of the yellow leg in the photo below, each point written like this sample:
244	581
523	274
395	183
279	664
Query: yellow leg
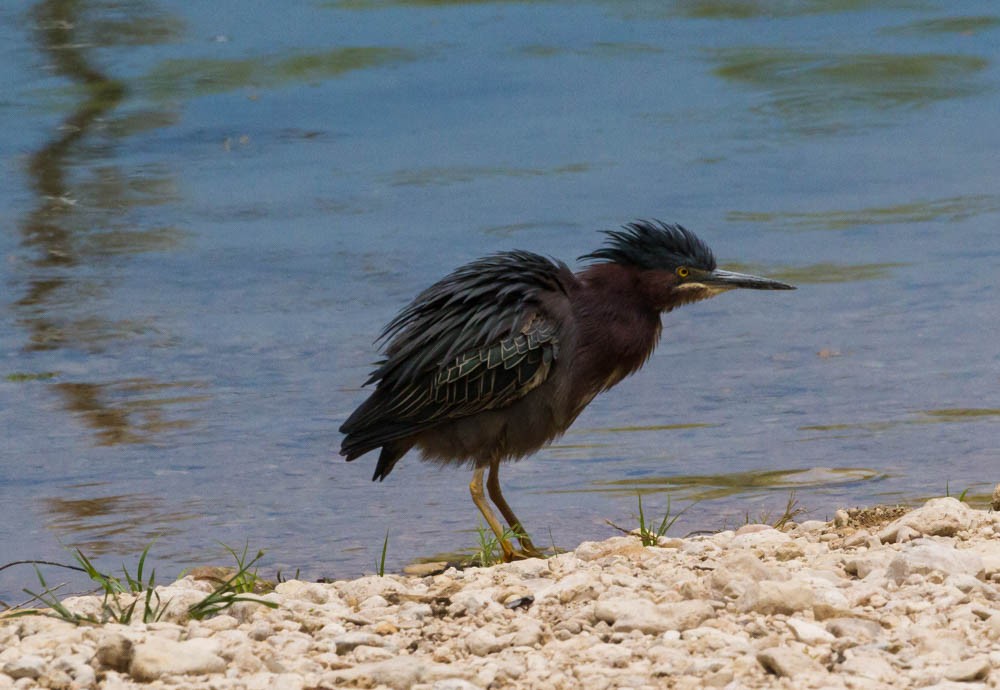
476	489
493	485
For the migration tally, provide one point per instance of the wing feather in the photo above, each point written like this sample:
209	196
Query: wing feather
479	339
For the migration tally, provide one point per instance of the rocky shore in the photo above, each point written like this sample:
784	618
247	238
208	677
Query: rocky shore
865	601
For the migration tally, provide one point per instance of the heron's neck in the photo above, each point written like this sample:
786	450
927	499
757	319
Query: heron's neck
619	327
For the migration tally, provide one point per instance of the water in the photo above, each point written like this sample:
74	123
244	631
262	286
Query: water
210	213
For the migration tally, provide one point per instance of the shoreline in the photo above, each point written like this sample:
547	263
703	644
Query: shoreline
859	602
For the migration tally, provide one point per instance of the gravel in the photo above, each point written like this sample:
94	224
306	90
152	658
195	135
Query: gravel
913	602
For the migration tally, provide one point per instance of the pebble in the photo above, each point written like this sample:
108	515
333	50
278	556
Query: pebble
785	662
809	633
815	606
160	657
969	670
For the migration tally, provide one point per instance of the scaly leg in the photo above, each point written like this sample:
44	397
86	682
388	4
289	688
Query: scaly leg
493	485
476	489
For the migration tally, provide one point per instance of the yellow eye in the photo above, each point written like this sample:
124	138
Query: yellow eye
683	272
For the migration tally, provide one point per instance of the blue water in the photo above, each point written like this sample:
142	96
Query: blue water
210	212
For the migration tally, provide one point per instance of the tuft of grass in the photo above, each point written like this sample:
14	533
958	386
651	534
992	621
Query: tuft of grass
232	590
961	497
488	551
648	535
120	600
791	511
380	564
122	596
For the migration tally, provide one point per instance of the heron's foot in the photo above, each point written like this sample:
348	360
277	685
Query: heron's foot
511	554
528	548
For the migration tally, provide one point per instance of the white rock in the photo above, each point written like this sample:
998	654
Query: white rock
871	664
76	669
608	655
177	600
375	601
307	591
863	565
401	672
272	681
807	526
455	683
809	633
925	556
642	615
529	567
829	602
483	642
969	670
114	651
162	657
993	626
857	630
705	640
786	662
364	654
578	586
348	641
942	517
593	550
904	534
738	572
27	666
770	597
529	633
468	602
762	536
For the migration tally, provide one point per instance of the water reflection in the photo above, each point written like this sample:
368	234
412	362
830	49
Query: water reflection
131	411
426	177
936	416
950	209
744	484
601	49
821	92
114	523
753	9
965	26
86	220
188	77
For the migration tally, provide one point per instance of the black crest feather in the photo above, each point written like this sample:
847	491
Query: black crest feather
654	245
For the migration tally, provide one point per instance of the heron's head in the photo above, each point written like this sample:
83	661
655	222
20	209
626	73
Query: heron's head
671	265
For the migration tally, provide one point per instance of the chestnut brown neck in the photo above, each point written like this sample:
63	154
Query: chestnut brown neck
618	309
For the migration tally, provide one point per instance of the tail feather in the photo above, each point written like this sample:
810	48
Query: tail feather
387	459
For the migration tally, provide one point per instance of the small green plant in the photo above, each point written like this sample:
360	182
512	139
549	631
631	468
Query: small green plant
233	589
792	511
646	533
380	565
961	496
113	607
121	598
119	601
47	597
488	551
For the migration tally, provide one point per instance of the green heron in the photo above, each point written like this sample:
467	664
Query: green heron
497	359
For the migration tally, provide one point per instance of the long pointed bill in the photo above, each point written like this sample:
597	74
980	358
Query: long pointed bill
728	280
